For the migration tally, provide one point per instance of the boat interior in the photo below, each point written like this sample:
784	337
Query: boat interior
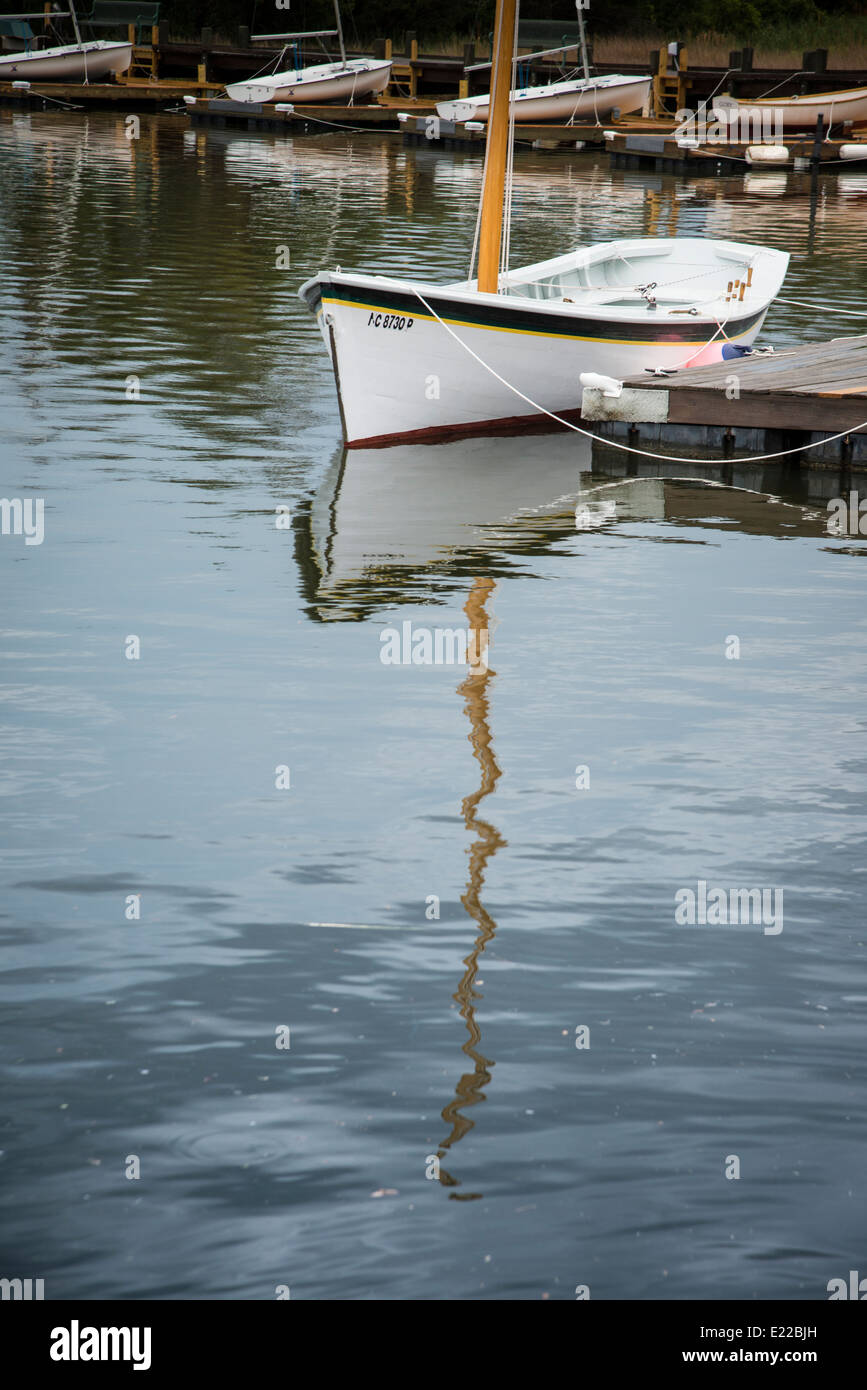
659	276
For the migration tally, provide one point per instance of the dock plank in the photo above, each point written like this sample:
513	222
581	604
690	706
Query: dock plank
837	367
815	388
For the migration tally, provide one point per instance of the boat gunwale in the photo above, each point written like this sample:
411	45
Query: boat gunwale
463	295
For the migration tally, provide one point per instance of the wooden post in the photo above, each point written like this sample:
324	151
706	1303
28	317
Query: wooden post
413	74
491	229
469	59
389	49
243	36
817	143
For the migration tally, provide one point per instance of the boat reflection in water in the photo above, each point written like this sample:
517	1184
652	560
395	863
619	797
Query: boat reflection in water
398	525
386	525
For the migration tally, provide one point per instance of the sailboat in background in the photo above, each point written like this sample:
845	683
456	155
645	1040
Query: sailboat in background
72	62
344	81
572	98
417	361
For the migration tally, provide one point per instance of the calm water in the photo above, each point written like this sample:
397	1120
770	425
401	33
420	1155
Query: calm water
305	908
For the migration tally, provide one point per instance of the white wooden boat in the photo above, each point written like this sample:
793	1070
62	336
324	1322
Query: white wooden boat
417	361
582	98
344	82
801	113
73	62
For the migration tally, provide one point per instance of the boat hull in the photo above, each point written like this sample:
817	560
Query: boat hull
559	101
407	368
66	64
330	82
801	113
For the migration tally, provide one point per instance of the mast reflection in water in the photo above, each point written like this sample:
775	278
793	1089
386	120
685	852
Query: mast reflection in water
470	1088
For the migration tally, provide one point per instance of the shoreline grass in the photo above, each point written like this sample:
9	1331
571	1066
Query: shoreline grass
844	36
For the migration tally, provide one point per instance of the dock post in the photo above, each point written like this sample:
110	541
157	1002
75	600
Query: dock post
412	54
469	59
633	439
818	140
845	465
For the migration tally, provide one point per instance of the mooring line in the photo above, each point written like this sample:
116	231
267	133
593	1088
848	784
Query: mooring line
614	443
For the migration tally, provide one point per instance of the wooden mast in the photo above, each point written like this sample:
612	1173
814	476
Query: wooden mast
491	227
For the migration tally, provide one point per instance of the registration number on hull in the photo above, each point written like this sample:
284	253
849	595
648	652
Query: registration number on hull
396	321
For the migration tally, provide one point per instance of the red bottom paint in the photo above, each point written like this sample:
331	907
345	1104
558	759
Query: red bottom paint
443	434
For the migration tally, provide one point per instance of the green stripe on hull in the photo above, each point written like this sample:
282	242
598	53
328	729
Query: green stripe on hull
528	320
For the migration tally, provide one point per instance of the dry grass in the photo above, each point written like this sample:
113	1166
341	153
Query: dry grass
712	51
845	40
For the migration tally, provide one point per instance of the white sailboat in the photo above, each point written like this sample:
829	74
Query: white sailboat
573	98
417	361
345	81
72	62
801	113
581	98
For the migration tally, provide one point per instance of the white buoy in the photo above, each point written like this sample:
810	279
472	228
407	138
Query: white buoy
608	385
853	151
767	154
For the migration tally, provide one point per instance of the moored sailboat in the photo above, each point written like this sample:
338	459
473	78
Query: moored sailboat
343	81
82	61
801	113
579	98
418	361
571	98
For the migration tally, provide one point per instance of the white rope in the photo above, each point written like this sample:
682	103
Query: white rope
805	304
802	72
614	443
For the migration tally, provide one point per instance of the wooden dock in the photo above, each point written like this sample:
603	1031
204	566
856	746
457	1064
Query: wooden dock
220	112
755	404
545	135
661	151
131	95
